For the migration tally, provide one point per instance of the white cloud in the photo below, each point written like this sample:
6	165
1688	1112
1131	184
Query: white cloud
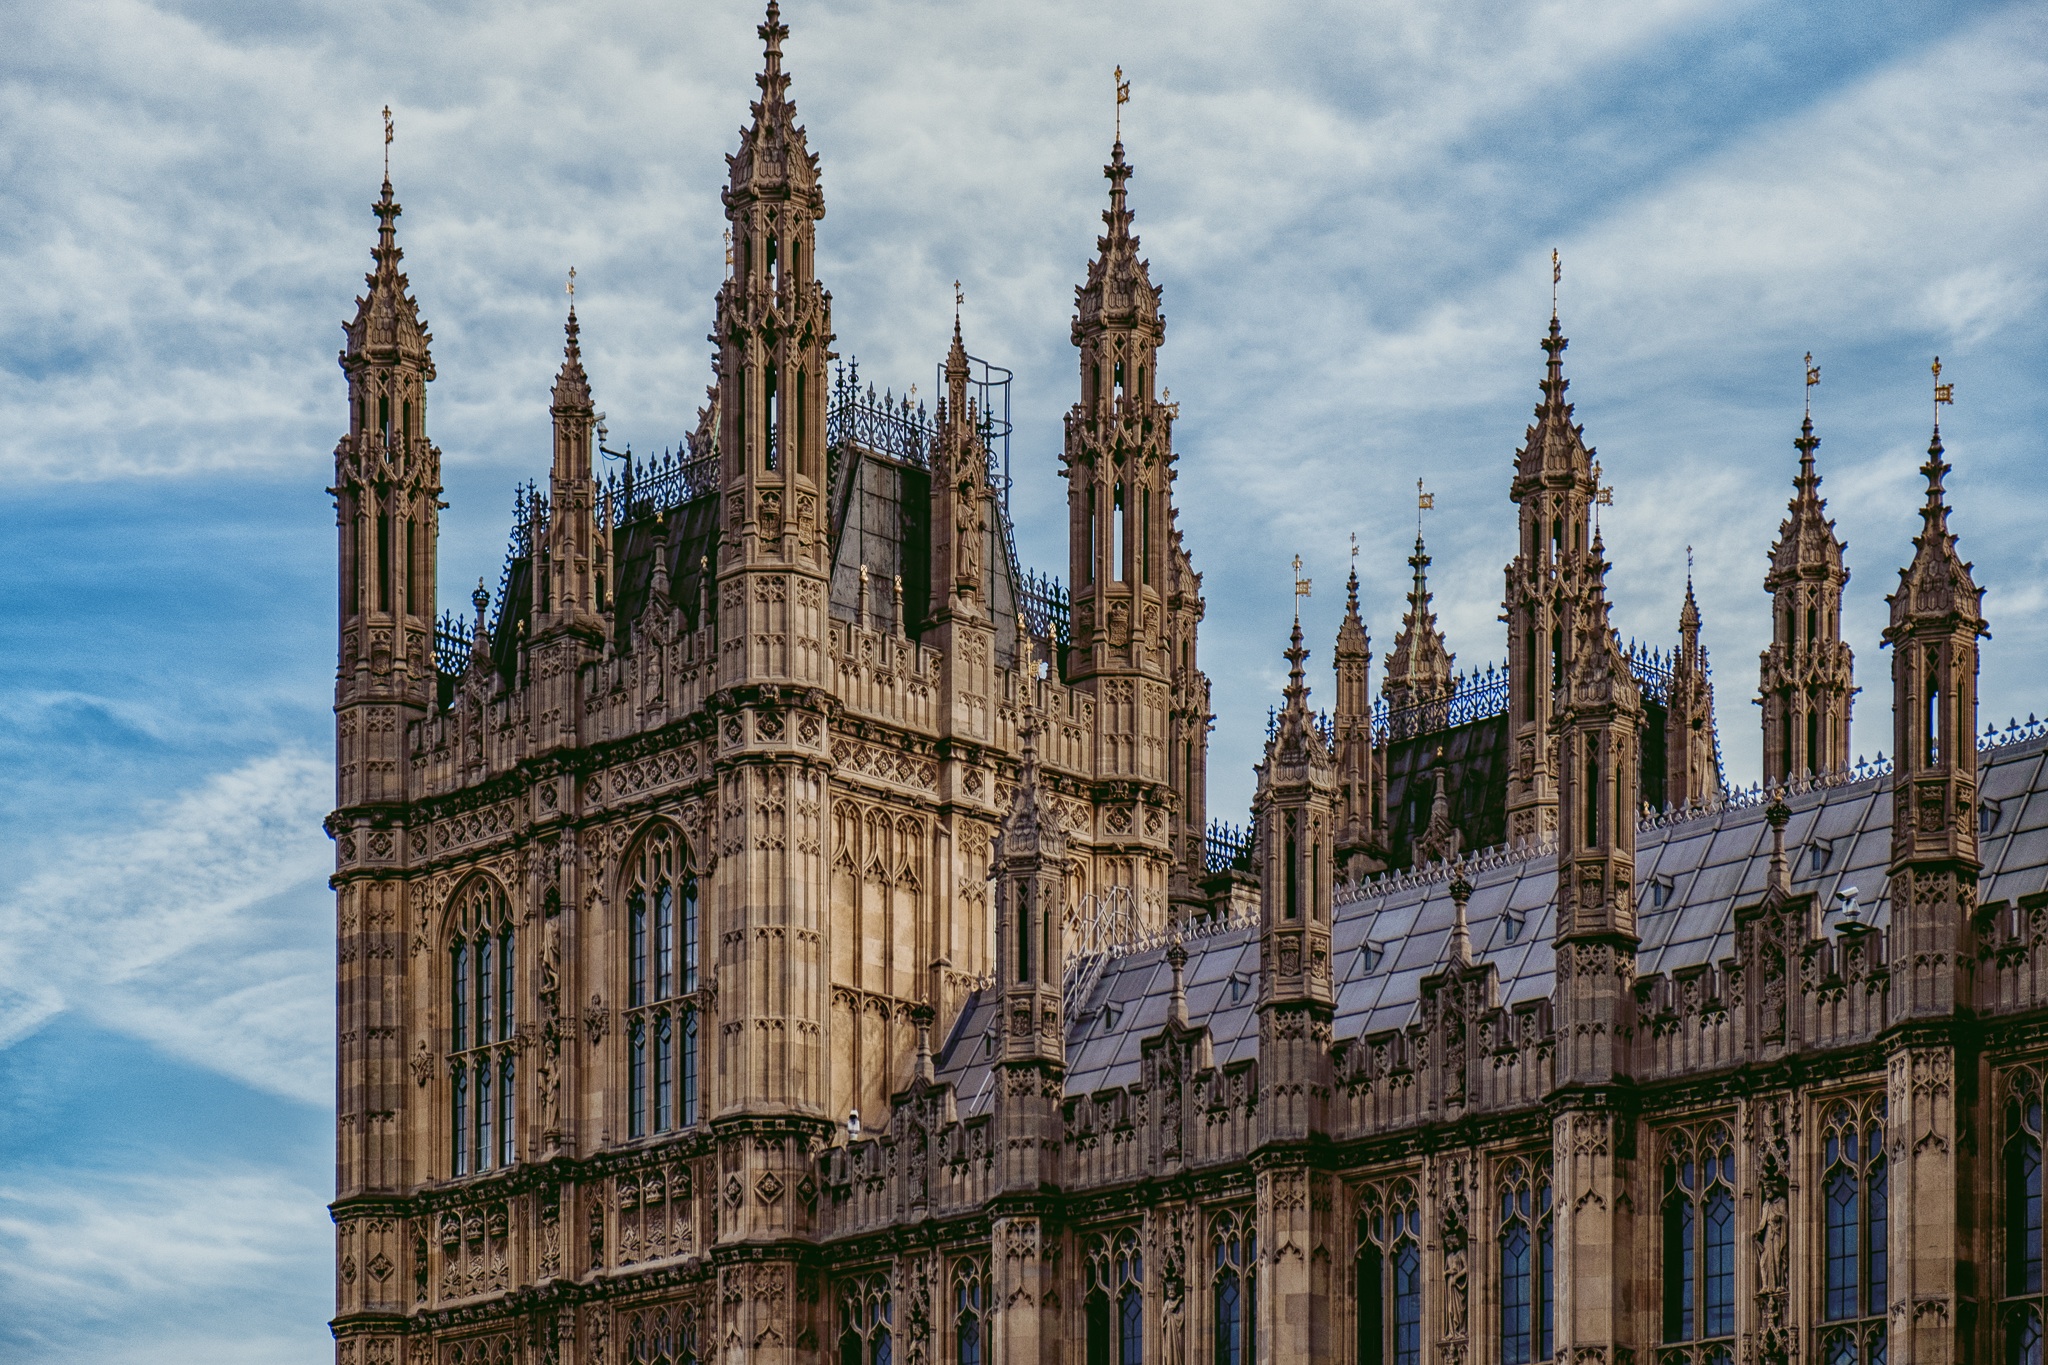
148	1266
203	930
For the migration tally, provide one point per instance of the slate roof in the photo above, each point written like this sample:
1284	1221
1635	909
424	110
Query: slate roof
1692	874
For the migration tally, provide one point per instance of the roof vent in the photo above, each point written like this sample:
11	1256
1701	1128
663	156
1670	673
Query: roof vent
1658	890
1987	816
1512	922
1112	1015
1819	854
1238	986
1370	955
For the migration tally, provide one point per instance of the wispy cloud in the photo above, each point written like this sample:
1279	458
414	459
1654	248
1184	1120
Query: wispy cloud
203	929
150	1266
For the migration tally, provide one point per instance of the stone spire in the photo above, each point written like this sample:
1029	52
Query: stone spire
1419	669
1554	489
1692	770
1806	679
1360	840
568	552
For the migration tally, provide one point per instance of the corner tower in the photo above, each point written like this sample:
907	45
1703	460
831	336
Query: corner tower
1806	679
1554	489
1120	471
770	897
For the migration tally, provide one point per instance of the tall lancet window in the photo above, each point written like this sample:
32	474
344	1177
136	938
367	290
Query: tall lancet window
1933	726
1389	1273
662	953
1234	1244
771	409
1855	1221
2020	1209
1114	1309
970	1312
1699	1243
482	1033
1118	571
1527	1263
867	1321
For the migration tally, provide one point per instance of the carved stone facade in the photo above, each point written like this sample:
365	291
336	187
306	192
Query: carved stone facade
782	931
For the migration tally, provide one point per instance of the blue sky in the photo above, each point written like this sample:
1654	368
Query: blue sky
1351	208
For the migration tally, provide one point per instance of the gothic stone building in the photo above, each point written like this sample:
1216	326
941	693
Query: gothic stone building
784	930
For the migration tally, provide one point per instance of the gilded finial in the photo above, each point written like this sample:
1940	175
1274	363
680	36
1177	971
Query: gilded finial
1302	588
1424	502
1812	381
1123	97
1943	393
572	289
1354	550
1556	277
387	142
728	252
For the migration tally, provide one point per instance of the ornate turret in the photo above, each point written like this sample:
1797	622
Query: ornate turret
1692	767
1418	681
1806	679
1596	728
1294	809
1361	836
1937	617
1554	488
387	487
1122	552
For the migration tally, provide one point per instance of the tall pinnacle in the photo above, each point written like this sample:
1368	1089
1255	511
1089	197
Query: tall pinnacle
572	385
387	325
774	160
1297	687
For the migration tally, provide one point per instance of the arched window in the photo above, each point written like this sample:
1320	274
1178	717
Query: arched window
1118	570
1235	1244
970	1313
659	1338
483	1029
1855	1220
867	1320
1933	737
1115	1305
1390	1277
2020	1209
1699	1242
1592	802
771	412
662	940
1527	1262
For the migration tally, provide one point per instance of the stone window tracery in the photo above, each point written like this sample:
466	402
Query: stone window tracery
1527	1263
662	949
867	1320
662	1337
1390	1277
970	1312
1699	1247
1855	1220
2021	1221
483	1030
1235	1246
1115	1305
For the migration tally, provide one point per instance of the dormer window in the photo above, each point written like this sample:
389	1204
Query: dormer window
1512	922
1370	955
1987	817
1818	855
1238	986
